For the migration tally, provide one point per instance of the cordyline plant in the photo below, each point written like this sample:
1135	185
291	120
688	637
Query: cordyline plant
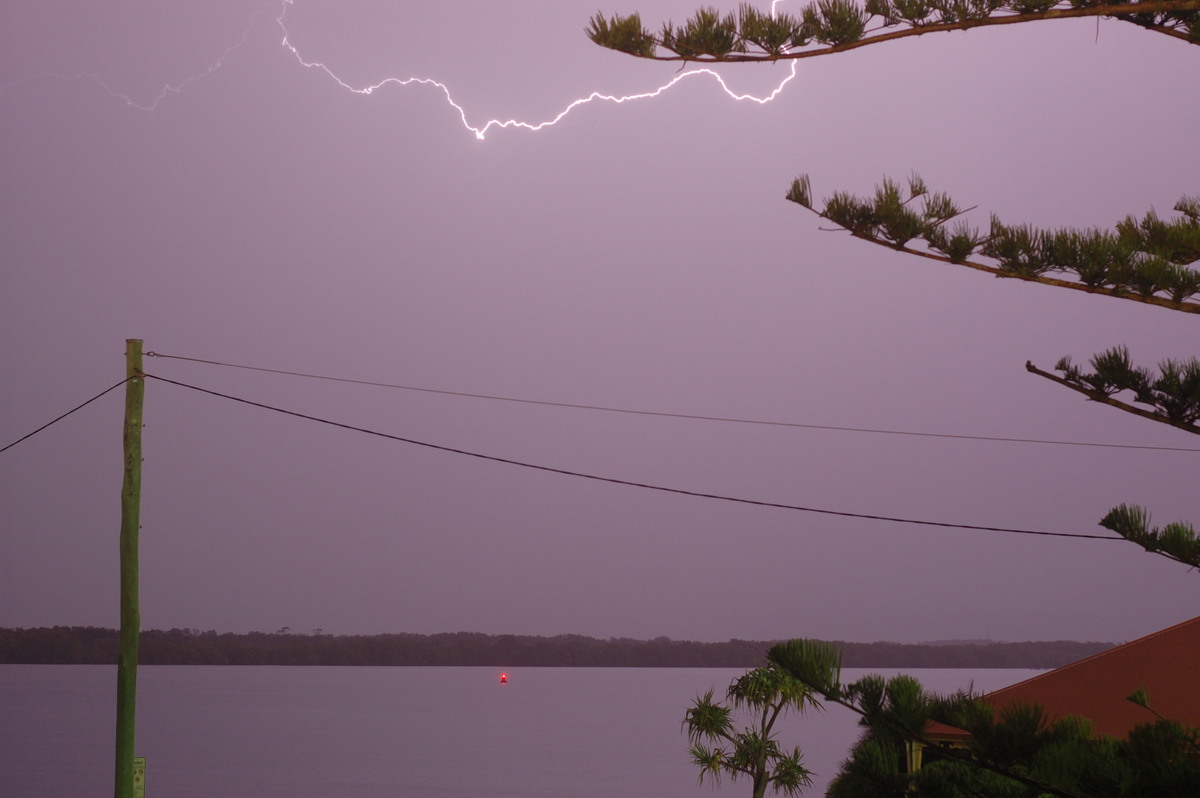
720	748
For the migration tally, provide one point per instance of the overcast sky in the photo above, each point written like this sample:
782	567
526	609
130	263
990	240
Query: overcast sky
173	172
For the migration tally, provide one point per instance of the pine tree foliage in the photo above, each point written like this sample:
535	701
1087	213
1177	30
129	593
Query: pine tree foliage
622	33
1150	260
1016	753
1176	541
706	33
1013	752
827	26
1173	391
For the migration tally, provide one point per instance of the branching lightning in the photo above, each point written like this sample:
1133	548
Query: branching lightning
480	131
167	90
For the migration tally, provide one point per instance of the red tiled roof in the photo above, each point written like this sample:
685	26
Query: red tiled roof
1166	663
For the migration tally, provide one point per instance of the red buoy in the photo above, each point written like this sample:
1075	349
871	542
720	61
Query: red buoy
504	678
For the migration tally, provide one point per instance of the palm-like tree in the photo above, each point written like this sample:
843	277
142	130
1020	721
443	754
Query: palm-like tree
719	748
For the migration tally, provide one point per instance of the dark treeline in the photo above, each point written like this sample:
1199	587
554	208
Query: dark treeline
77	645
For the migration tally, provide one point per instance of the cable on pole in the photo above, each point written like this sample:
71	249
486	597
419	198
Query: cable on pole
64	415
626	482
689	416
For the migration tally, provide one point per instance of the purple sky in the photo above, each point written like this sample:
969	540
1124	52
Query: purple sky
636	255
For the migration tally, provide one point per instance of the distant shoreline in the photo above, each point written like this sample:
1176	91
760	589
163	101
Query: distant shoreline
87	645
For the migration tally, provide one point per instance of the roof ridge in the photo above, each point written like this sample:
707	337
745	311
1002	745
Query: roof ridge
1099	655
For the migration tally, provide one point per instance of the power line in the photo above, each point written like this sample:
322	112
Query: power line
693	417
626	482
64	415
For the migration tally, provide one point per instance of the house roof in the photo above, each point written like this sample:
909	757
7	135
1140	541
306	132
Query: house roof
1097	688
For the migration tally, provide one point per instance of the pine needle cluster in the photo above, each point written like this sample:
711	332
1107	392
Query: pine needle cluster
752	34
1173	391
1149	260
1176	541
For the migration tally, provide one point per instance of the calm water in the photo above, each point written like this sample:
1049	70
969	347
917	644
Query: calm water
309	732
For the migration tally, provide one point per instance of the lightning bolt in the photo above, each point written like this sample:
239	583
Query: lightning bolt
480	131
167	90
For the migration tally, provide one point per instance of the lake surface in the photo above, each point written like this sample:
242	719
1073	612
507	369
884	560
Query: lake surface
315	732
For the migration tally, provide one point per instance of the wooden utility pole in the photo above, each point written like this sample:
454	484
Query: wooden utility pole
131	619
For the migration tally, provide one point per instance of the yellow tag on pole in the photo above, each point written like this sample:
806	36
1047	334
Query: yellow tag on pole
139	777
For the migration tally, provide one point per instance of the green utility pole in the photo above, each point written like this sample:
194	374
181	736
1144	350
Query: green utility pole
131	620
